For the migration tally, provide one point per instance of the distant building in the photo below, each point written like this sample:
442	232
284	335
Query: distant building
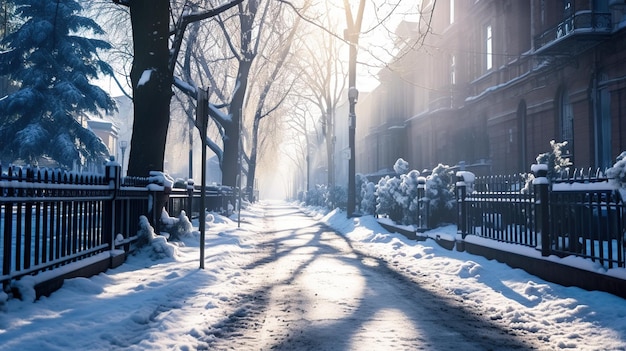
115	129
494	81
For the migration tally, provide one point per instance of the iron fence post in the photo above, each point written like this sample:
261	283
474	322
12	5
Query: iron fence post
189	207
422	205
113	174
461	193
542	209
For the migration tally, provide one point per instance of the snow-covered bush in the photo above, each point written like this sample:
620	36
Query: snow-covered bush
360	180
410	204
336	197
440	192
157	245
177	228
387	194
555	161
401	166
368	196
617	173
315	196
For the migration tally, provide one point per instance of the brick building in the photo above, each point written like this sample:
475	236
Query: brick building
494	81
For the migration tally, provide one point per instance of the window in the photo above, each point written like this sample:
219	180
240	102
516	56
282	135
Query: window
488	48
451	11
566	122
603	125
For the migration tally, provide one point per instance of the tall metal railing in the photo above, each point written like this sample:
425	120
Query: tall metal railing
581	215
49	218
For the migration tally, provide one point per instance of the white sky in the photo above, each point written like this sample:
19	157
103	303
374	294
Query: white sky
169	304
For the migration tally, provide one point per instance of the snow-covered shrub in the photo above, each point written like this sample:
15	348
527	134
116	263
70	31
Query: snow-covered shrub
315	196
617	173
401	166
360	180
336	197
555	161
387	194
440	192
156	244
368	196
177	228
410	202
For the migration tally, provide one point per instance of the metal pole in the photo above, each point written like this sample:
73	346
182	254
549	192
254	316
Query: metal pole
201	113
240	162
352	36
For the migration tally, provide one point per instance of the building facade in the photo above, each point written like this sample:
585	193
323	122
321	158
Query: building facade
488	83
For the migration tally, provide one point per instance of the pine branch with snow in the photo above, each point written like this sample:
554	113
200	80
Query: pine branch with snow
52	61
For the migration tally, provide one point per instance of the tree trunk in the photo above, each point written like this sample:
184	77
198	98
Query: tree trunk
230	163
253	158
330	146
152	83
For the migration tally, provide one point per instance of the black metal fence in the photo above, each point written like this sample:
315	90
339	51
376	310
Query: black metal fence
582	215
49	218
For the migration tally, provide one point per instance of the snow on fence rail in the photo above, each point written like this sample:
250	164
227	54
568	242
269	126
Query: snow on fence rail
49	218
581	215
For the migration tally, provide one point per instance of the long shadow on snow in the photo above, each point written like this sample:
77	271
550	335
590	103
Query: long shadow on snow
441	312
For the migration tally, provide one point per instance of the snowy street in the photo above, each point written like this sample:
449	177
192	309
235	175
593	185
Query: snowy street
287	281
311	291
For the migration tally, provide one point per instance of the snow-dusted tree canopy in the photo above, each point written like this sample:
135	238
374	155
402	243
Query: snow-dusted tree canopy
50	61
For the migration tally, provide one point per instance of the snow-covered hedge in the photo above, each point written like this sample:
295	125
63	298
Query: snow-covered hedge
322	196
395	197
388	198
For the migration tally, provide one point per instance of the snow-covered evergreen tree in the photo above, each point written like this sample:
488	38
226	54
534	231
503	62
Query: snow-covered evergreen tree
51	61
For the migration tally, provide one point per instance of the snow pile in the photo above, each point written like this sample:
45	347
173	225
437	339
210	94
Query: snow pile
157	246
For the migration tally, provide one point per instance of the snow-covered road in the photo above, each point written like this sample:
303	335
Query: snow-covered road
310	290
285	280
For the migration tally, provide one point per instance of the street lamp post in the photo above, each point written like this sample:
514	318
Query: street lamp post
123	146
352	36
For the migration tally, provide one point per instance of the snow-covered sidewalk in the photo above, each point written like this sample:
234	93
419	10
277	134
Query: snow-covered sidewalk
280	282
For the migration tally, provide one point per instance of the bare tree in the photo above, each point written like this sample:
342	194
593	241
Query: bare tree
272	91
152	75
